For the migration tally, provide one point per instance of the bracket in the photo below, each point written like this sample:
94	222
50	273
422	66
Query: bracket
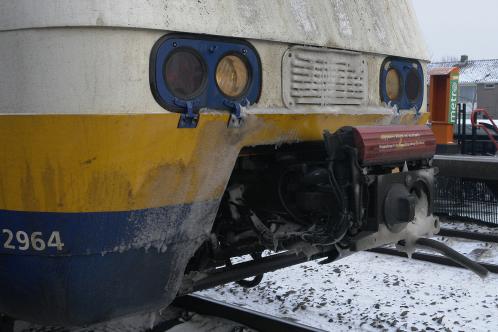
236	117
190	118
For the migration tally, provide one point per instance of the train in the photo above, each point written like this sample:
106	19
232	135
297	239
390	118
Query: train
145	144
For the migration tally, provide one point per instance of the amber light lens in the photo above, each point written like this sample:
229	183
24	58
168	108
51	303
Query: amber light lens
393	84
232	76
185	74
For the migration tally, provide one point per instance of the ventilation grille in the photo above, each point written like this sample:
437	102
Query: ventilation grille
315	76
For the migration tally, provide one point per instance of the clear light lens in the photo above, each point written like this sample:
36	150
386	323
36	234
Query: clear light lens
232	76
185	74
393	84
413	84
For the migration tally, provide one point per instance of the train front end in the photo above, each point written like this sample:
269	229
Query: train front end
145	145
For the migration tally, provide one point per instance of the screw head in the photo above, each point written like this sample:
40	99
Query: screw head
408	180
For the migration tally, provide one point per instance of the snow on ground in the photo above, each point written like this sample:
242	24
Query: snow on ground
373	292
209	324
363	292
186	322
484	252
475	227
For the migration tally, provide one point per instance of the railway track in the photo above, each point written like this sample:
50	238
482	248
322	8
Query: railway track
264	322
468	235
189	303
442	260
250	318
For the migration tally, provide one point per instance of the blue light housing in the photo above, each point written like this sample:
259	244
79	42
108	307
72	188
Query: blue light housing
411	80
183	69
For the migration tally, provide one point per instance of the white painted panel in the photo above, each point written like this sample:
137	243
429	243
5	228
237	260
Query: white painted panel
375	26
319	76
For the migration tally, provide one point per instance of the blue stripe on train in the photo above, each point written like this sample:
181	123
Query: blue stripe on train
96	232
112	263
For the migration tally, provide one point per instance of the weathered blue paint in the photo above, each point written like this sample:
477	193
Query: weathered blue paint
211	50
403	67
108	266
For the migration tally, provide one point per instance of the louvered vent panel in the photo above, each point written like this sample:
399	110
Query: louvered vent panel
315	76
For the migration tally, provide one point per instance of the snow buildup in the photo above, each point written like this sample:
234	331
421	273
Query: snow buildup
473	71
160	228
378	26
342	17
209	324
300	10
152	320
373	292
419	226
248	11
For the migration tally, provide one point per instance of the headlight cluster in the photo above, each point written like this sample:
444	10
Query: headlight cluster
402	83
205	72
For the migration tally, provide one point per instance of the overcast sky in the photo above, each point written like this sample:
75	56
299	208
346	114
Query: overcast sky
456	27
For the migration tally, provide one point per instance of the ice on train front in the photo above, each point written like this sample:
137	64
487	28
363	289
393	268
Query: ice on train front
145	145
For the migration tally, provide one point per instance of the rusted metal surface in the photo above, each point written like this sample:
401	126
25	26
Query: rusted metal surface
384	145
441	71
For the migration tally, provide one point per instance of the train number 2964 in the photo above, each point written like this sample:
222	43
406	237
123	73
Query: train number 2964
24	241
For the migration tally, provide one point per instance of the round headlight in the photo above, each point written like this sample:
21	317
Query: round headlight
232	76
393	84
185	73
413	84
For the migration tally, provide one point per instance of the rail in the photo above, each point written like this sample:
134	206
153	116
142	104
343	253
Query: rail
441	260
260	322
475	125
250	318
469	235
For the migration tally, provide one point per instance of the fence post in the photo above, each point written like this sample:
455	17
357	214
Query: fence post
459	122
474	133
464	127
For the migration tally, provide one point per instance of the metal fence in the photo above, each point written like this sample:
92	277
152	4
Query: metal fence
466	199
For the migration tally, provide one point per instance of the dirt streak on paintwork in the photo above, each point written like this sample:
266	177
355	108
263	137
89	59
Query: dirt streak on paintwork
381	26
84	163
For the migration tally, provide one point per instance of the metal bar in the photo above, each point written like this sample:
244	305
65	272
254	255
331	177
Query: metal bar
478	167
476	125
468	235
249	269
453	255
459	124
256	320
441	260
464	128
473	119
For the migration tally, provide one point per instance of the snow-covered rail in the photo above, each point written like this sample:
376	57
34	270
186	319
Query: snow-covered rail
253	319
469	235
441	260
187	313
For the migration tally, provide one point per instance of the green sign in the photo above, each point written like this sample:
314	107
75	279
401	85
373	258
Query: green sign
453	111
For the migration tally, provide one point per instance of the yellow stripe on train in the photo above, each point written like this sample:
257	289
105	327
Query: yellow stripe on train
90	163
